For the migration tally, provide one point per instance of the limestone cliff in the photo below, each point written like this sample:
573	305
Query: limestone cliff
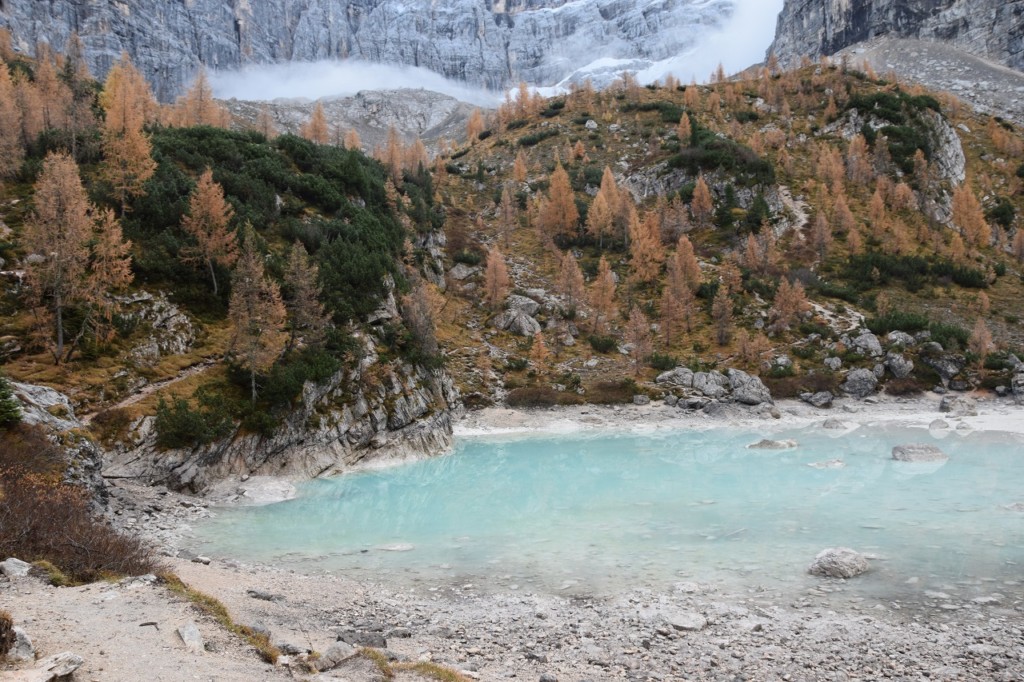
492	43
992	29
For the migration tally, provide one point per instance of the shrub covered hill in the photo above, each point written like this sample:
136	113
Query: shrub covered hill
216	299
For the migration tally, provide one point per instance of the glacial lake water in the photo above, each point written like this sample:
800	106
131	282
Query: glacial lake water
596	513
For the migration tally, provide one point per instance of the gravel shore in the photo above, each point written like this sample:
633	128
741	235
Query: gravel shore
817	629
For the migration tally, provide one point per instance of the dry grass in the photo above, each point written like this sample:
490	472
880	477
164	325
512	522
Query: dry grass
213	607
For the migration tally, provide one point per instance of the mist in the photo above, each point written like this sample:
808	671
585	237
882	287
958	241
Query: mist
328	79
740	43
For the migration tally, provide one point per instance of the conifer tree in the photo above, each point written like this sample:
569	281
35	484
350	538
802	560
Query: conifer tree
602	296
507	217
519	169
638	335
54	94
474	126
686	260
127	152
969	218
58	232
1018	245
858	161
12	153
352	140
30	106
560	216
539	351
789	304
316	129
496	279
393	155
599	219
198	107
79	114
418	316
684	131
208	222
256	313
570	281
110	270
265	123
721	315
980	344
302	298
821	236
646	252
702	206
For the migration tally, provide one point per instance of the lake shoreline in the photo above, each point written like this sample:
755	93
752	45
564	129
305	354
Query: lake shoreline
822	629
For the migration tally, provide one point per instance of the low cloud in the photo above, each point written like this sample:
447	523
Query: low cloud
327	79
741	42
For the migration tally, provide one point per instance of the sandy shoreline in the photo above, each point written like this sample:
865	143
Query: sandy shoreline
822	630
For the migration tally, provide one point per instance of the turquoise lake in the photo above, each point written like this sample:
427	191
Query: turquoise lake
598	513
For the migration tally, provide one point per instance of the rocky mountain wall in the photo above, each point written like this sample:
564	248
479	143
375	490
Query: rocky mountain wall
491	43
992	29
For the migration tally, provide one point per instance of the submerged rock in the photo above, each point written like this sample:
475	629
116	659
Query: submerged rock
839	562
918	452
829	464
768	444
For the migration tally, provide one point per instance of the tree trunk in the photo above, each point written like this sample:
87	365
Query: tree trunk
59	310
213	275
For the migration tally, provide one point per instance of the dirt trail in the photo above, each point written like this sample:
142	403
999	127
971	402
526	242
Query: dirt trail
151	388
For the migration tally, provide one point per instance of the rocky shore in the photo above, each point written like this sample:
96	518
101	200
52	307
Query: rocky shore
818	628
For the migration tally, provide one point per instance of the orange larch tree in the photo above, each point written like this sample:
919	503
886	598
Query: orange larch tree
208	222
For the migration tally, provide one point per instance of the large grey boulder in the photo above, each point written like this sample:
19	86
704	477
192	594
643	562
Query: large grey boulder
868	344
523	304
43	405
839	562
57	667
900	366
712	384
918	452
860	383
946	365
461	271
680	376
517	322
834	363
748	389
898	338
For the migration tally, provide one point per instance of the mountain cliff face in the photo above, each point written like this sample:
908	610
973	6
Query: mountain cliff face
492	43
993	29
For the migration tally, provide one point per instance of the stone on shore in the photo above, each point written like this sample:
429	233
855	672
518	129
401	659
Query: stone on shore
57	667
918	452
15	568
860	383
22	650
681	377
686	621
190	636
821	399
335	654
958	405
839	562
748	389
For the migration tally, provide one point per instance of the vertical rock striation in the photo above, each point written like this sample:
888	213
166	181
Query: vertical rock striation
491	43
992	29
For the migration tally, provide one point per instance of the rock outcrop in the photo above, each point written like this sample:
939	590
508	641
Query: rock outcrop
993	29
490	44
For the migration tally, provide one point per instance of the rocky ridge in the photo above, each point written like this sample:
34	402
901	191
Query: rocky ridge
992	29
490	44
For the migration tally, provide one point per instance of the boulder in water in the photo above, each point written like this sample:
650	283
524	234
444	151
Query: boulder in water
829	464
839	562
918	452
768	444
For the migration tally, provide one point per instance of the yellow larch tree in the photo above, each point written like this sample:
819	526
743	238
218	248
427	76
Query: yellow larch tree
602	296
316	129
969	218
560	216
127	162
496	280
701	206
12	153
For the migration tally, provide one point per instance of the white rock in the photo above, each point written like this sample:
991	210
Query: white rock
190	636
768	444
686	621
839	562
15	568
22	650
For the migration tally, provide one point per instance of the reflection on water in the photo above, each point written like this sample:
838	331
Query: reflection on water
601	513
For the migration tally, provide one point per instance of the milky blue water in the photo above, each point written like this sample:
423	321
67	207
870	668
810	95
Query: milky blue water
598	513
